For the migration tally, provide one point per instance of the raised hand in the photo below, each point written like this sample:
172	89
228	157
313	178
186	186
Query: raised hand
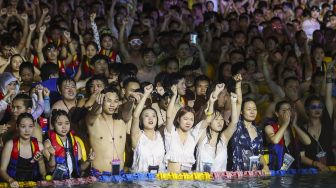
174	89
148	89
238	77
46	92
100	98
3	11
93	17
136	96
67	36
45	11
43	28
75	21
146	22
219	88
32	27
24	16
47	19
233	97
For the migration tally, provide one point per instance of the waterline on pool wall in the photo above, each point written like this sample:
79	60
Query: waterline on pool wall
164	176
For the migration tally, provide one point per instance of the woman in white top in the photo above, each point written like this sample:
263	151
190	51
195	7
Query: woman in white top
147	143
212	146
181	139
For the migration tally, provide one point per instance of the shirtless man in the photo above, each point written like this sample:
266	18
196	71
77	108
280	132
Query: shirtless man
106	133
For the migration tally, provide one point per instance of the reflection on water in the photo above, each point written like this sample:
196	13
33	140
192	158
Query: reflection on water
322	180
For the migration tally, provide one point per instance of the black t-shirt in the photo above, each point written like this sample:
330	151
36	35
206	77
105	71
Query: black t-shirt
325	140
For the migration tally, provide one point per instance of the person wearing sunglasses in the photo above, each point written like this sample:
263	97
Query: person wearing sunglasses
320	129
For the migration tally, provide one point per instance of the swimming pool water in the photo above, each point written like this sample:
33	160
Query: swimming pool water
325	180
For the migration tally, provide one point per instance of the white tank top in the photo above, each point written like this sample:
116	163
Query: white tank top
178	152
207	155
148	153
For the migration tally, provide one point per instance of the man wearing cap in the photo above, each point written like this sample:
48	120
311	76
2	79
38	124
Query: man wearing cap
311	24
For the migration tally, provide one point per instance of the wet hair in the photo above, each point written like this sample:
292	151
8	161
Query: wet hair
237	67
47	47
115	67
55	114
291	78
141	124
172	79
201	78
279	104
26	65
129	80
23	116
6	39
92	43
27	100
64	79
181	112
159	78
48	69
146	51
208	129
99	57
90	81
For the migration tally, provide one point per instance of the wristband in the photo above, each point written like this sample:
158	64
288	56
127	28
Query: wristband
208	114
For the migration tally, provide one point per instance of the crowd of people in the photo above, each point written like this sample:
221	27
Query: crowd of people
92	87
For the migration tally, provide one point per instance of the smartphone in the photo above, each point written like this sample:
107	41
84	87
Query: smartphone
193	38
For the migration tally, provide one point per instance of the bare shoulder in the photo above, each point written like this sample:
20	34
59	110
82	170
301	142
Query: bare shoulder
58	105
120	124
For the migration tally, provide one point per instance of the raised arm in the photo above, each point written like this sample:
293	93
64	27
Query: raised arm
73	52
283	121
24	18
170	109
209	111
40	45
147	23
303	136
95	110
275	88
123	49
26	51
238	78
95	30
234	119
135	129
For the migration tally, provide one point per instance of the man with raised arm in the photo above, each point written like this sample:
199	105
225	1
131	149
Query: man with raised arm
107	133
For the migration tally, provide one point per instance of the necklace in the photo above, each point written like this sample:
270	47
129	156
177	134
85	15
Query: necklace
315	132
67	105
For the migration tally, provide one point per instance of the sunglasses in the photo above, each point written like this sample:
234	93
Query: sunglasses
134	42
316	106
